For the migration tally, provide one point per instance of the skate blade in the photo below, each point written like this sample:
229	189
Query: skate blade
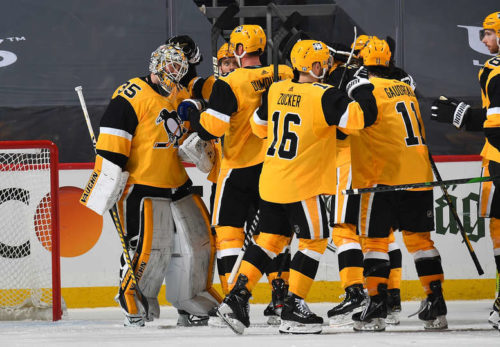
375	324
291	327
440	323
344	318
392	319
273	320
216	322
225	312
494	319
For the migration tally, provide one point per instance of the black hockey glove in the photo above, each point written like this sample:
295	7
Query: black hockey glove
449	110
190	49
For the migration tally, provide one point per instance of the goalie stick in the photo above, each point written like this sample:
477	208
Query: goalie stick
114	211
418	185
222	21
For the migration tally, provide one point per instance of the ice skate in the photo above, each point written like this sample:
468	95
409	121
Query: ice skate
354	301
234	310
374	314
133	320
214	320
186	319
433	310
393	306
494	318
297	318
273	310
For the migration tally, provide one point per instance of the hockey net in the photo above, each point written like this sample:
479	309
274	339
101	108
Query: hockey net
29	231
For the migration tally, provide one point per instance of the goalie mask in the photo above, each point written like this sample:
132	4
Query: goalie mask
376	52
251	37
169	64
307	52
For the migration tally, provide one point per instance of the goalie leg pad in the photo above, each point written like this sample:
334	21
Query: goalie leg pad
189	273
152	256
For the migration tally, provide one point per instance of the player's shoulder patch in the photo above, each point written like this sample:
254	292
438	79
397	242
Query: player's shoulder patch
493	62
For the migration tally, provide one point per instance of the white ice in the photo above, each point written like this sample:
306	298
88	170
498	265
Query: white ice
104	327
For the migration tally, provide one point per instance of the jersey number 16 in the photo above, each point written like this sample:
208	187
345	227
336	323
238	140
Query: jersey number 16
289	141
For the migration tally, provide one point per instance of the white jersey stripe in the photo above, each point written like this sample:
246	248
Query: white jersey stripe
116	132
223	117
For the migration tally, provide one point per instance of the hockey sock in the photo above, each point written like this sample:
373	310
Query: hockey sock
376	263
350	256
304	266
427	258
495	238
395	258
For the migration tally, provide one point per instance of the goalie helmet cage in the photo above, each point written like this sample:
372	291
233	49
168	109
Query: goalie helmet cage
30	285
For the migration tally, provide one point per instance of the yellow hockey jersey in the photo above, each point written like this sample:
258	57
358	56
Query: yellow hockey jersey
393	150
234	98
140	132
299	121
490	95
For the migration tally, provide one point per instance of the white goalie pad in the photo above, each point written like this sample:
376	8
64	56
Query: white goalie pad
199	152
104	187
160	253
189	269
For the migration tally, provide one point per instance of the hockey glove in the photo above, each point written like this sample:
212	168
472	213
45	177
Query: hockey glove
449	110
355	84
190	49
410	81
197	151
187	106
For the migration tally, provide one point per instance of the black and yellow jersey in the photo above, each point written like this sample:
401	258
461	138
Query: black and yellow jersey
234	98
393	150
140	132
489	79
300	122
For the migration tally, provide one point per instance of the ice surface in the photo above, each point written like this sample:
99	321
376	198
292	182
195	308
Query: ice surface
104	327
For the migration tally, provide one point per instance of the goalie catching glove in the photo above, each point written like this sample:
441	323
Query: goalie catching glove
199	152
449	110
105	186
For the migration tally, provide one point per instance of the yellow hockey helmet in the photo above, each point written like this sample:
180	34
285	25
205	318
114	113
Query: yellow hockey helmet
307	52
376	52
250	36
361	41
492	22
225	51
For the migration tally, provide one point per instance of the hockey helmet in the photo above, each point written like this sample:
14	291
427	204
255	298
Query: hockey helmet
492	22
361	41
250	36
225	51
376	52
307	52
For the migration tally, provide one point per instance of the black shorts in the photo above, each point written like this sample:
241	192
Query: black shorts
404	210
236	194
306	218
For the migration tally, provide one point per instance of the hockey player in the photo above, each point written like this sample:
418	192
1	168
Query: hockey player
391	152
299	119
344	218
485	119
137	155
234	98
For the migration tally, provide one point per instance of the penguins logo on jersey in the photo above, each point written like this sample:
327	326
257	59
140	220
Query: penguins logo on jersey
173	127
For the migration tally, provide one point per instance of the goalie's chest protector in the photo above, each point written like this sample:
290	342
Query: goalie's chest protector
300	158
153	159
491	69
391	151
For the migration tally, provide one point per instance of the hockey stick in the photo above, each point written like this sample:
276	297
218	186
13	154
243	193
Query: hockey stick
114	212
452	207
418	185
248	238
221	22
350	56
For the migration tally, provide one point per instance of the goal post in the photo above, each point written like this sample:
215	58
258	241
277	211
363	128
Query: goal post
30	285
